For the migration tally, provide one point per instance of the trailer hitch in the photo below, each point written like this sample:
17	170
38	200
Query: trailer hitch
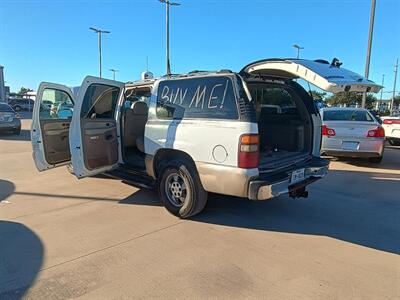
299	193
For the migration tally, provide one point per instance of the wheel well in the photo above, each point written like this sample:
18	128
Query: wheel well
165	155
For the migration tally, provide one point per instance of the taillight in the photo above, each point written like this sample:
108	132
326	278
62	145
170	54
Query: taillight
326	131
391	121
248	151
378	132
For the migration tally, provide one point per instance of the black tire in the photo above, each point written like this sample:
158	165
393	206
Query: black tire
17	108
180	189
375	160
17	131
394	142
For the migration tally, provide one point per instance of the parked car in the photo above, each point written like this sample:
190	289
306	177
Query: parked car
253	134
391	124
352	132
22	104
9	119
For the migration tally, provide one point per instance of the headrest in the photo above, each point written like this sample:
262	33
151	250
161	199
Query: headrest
139	108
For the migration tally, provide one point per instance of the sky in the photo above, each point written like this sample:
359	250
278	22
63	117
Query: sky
50	40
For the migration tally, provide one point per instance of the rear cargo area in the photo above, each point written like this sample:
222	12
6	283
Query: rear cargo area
284	124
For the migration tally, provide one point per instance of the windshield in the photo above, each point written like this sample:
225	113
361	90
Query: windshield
5	107
347	115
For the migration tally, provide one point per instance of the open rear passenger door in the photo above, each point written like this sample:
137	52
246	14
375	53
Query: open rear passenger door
52	113
94	139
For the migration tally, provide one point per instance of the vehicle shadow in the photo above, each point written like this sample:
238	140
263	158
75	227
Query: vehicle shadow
142	197
24	136
7	188
340	207
21	253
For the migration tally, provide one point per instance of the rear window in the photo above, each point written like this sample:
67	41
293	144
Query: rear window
5	107
347	115
273	100
207	97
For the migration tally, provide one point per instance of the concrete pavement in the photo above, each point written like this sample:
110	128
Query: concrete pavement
98	238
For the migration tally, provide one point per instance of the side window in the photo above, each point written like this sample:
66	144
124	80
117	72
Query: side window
206	97
56	104
99	101
137	94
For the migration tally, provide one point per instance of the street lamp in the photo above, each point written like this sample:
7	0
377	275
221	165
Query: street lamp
114	71
298	50
383	80
167	5
370	33
99	32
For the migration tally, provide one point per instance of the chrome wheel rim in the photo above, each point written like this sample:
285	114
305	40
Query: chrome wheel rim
177	189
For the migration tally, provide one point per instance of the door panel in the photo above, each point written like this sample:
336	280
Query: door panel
100	142
94	139
56	140
51	120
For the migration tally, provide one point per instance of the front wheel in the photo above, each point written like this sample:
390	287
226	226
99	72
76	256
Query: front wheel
180	189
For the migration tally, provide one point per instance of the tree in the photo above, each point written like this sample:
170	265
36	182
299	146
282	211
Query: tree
350	99
24	90
318	95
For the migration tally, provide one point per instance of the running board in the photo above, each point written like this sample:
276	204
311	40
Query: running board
135	178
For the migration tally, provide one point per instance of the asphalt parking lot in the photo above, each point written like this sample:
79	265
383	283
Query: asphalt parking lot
99	238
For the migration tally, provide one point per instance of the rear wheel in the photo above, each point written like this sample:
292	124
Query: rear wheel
180	189
394	142
376	160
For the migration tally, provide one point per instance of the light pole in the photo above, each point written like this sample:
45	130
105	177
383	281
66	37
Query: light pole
114	71
167	5
370	33
99	32
394	86
298	50
383	80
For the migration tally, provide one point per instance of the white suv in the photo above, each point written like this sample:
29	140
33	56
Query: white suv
253	134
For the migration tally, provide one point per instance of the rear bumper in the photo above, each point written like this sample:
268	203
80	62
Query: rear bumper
367	147
272	185
392	133
361	154
15	124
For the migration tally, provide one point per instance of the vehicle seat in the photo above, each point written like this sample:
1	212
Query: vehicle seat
135	122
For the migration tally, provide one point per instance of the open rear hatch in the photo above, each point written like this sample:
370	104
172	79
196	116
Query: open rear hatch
330	77
288	122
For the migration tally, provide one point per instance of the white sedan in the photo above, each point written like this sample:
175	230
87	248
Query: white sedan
392	129
352	132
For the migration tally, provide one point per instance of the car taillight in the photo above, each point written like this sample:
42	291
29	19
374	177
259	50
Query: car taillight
326	131
391	121
248	151
378	132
